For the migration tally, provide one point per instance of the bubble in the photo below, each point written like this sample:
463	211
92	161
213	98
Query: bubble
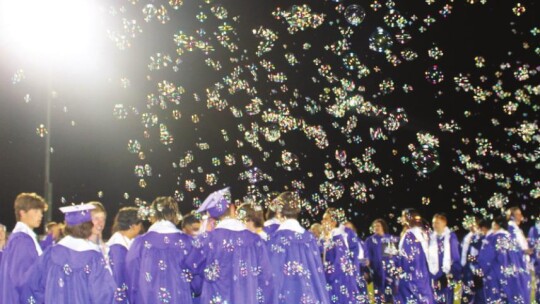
289	161
18	76
425	159
272	133
331	191
134	146
434	75
380	40
41	131
355	14
27	98
120	112
100	194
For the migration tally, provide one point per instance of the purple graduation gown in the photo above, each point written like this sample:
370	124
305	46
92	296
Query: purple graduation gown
270	226
471	288
382	263
65	276
155	266
19	255
497	261
521	261
414	284
297	265
341	269
47	242
534	243
446	294
118	249
234	265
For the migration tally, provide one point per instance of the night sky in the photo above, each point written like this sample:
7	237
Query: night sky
438	111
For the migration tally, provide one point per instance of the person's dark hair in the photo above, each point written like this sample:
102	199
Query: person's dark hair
80	231
290	205
28	201
510	212
189	220
247	212
165	208
383	223
270	204
50	225
484	224
125	218
501	221
412	218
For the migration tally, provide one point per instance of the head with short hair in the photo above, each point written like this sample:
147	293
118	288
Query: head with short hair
290	205
191	224
411	218
332	217
125	219
316	229
499	222
251	216
80	231
379	226
271	205
165	208
514	214
440	222
484	226
25	202
99	217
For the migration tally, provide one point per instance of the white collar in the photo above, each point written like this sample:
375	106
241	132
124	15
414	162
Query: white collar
292	225
164	226
272	221
231	224
78	244
118	239
22	227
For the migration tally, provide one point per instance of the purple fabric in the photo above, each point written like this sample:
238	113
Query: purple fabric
216	203
235	267
156	272
345	284
445	294
77	217
534	243
495	258
47	242
298	269
270	229
382	265
19	255
414	284
117	261
472	293
520	260
65	276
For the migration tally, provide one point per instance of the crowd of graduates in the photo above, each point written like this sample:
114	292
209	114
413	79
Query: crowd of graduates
226	252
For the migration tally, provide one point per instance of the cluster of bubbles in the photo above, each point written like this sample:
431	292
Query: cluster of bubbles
310	100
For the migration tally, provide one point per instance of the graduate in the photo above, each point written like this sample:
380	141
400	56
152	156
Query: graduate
232	260
191	225
534	244
470	248
99	218
155	263
497	262
22	248
523	252
296	259
273	218
72	271
416	262
446	244
341	258
382	251
126	227
252	217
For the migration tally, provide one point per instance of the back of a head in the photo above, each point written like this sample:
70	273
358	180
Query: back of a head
501	222
510	212
28	201
80	231
165	208
290	205
125	218
412	217
189	220
248	212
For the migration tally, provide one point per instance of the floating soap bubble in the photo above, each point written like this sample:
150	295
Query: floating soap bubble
425	159
380	40
289	161
355	14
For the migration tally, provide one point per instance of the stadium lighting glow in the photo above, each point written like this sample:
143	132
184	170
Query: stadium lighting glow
55	32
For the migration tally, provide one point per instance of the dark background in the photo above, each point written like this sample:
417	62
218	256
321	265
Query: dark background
90	157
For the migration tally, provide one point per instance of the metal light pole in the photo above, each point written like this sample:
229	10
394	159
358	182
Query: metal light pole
47	176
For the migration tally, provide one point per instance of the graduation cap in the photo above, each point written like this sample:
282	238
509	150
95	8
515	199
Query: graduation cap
216	203
77	214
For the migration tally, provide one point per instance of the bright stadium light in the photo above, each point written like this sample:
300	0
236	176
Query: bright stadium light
49	32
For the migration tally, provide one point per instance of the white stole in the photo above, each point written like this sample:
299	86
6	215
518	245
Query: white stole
431	255
465	247
447	254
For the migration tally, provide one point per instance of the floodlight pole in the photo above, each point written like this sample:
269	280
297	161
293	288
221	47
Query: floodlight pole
47	176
